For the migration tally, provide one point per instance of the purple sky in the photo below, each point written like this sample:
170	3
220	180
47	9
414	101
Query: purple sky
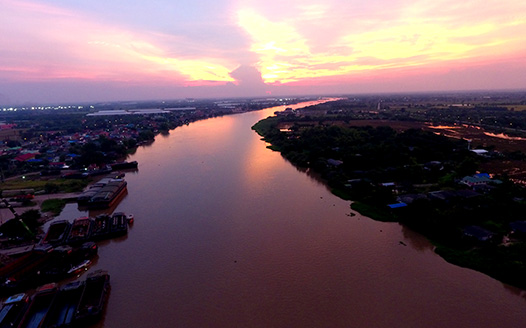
63	51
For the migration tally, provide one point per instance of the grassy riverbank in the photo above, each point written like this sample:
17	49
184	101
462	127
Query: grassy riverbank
46	186
504	262
372	212
54	206
372	166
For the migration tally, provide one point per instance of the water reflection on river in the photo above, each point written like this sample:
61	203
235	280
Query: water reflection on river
229	234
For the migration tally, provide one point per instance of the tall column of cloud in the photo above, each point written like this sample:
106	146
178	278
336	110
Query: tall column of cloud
248	80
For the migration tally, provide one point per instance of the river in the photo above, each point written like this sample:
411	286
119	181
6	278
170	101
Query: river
229	234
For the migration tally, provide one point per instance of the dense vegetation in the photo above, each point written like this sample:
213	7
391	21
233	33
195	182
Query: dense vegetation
375	166
379	154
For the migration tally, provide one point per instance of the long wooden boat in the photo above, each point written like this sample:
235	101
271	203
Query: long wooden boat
57	233
19	273
62	313
94	296
80	231
67	260
39	306
13	309
119	224
101	227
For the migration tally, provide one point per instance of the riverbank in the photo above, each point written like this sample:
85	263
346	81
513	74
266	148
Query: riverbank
412	177
277	249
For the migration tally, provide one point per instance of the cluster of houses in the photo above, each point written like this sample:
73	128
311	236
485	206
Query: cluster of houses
54	148
476	185
469	189
516	230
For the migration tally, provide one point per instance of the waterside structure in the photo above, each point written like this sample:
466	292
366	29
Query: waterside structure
102	194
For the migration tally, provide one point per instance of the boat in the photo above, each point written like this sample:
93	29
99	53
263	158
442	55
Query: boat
57	233
57	264
88	194
101	227
23	271
124	165
67	260
108	194
98	171
79	267
94	296
87	250
119	224
62	313
39	306
13	309
80	231
93	190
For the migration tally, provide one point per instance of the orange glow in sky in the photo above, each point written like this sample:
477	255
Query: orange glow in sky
281	46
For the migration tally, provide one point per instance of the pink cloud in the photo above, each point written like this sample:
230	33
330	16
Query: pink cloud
275	45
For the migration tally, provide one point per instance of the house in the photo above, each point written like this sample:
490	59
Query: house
334	162
484	189
410	198
443	195
480	152
475	180
25	157
397	205
478	233
448	195
466	194
479	179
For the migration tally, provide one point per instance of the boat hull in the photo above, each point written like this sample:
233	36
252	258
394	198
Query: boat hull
94	296
62	313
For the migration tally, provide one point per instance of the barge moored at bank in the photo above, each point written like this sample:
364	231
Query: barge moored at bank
124	165
103	194
75	304
57	233
101	227
94	296
80	231
62	311
39	306
119	224
13	310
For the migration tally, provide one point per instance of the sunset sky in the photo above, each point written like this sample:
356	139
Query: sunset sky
94	50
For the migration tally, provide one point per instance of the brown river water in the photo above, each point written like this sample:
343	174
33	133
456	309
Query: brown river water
229	234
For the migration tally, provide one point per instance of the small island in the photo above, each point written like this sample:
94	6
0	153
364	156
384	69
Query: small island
450	167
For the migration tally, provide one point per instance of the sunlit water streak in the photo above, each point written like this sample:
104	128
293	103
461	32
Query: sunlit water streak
229	234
